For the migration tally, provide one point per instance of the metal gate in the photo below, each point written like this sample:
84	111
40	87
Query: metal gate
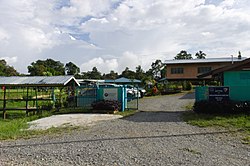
128	97
86	95
132	98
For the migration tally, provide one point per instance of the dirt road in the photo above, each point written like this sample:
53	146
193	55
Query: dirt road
154	136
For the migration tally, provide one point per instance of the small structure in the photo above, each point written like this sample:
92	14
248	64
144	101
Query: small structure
120	90
188	69
30	93
235	76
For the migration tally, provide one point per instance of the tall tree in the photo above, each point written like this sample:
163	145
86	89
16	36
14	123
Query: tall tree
200	55
94	74
46	67
71	69
6	70
239	55
128	73
163	71
156	68
139	73
183	55
112	75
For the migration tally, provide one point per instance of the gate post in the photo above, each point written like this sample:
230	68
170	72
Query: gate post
123	98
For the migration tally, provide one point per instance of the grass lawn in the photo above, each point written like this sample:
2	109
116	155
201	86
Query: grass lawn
126	113
229	121
14	127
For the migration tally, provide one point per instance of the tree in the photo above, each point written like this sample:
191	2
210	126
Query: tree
46	67
156	69
112	75
200	55
71	69
183	55
94	74
139	73
239	55
128	73
163	71
6	70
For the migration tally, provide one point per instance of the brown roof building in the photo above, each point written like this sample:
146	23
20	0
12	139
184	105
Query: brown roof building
189	69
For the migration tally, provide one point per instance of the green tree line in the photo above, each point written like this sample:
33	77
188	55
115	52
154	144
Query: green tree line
50	67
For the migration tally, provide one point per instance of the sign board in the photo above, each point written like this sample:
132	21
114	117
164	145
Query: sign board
110	93
219	94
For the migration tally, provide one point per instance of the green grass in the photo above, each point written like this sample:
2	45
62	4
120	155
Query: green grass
72	111
239	122
14	127
126	113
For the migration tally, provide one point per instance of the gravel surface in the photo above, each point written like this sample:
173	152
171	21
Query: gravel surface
85	120
154	136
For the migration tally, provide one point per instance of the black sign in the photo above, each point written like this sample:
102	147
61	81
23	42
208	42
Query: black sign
219	94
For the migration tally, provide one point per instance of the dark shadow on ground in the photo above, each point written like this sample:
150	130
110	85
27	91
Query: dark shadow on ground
98	140
156	116
189	95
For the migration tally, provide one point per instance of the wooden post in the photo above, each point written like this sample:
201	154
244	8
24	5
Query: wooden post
4	103
27	96
74	90
36	100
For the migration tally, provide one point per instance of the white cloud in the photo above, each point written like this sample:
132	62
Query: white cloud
114	34
227	3
10	60
4	37
102	65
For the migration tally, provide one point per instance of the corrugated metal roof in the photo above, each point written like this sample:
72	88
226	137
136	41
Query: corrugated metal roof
37	81
225	68
123	80
207	60
126	80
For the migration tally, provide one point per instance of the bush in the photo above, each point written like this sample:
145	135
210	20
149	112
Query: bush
186	85
112	105
221	107
213	83
47	106
171	88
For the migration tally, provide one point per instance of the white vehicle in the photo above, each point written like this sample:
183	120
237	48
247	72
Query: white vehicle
135	92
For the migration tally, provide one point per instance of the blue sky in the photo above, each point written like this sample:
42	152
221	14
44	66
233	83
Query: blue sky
115	34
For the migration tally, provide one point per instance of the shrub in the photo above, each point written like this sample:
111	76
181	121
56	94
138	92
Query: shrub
58	104
47	106
221	107
189	85
171	88
214	83
186	85
112	105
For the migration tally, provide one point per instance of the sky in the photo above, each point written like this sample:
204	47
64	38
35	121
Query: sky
115	34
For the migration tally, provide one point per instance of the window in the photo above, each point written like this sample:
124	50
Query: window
178	70
204	69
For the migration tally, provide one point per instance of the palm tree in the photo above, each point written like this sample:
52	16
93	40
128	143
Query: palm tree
200	55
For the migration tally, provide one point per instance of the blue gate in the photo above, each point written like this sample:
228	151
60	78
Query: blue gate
86	95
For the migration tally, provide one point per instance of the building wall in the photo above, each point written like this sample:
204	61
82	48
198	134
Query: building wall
237	78
191	70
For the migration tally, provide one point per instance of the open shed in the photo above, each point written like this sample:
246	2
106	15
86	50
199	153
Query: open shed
35	92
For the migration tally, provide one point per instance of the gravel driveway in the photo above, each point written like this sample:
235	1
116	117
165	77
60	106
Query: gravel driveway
154	136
